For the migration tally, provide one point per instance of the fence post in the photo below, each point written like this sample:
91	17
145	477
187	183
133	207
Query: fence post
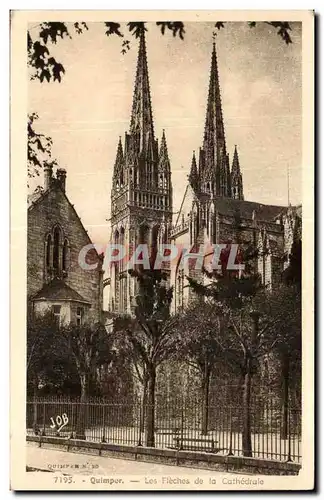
230	450
44	423
103	440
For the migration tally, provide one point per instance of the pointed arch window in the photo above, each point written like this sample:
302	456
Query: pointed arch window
48	251
65	251
56	249
56	253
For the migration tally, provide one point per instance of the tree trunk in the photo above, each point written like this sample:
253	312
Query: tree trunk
246	435
285	368
248	373
83	409
144	403
205	400
150	407
35	406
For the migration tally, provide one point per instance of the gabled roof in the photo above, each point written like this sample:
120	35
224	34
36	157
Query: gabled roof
58	290
33	197
228	206
36	198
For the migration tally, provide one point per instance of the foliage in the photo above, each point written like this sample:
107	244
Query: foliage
48	364
148	334
283	28
46	68
58	356
241	300
199	328
227	288
90	347
293	274
39	149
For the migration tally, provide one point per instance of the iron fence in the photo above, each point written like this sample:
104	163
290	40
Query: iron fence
274	434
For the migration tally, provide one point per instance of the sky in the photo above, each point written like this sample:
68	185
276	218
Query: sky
260	80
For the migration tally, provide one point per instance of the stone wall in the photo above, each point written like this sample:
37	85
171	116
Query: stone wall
54	208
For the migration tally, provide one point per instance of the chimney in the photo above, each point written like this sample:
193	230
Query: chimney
61	178
48	173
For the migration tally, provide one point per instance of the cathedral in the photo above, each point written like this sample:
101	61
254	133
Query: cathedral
213	203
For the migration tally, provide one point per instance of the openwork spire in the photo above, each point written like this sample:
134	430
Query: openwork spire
193	176
214	171
142	119
236	177
214	137
236	164
118	167
164	161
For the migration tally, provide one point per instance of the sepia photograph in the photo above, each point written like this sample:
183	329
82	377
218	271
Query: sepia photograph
159	197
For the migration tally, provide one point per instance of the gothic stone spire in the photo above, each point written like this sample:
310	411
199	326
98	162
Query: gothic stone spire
142	119
213	165
118	175
193	176
164	162
164	171
236	177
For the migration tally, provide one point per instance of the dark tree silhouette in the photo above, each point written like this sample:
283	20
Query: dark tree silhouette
46	68
90	347
149	334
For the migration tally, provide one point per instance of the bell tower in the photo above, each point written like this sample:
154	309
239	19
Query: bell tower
141	196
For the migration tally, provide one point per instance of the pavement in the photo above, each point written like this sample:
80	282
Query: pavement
63	462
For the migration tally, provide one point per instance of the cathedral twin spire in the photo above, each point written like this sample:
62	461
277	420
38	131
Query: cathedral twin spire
142	117
141	165
213	175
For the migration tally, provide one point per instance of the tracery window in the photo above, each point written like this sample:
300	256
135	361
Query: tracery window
56	254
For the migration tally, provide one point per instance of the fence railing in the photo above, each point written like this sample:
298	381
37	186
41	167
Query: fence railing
274	434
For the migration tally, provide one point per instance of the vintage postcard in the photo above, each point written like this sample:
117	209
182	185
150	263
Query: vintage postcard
162	189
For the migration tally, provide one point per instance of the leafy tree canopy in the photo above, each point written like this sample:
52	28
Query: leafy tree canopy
46	68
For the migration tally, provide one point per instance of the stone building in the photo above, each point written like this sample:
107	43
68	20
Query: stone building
56	278
141	196
214	211
213	204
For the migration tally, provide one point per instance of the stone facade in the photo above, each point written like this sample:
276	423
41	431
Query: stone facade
141	197
212	207
55	238
213	210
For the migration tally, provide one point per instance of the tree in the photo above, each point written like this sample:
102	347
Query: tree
49	368
39	149
236	295
285	303
149	334
46	365
292	276
197	343
45	67
90	348
290	349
